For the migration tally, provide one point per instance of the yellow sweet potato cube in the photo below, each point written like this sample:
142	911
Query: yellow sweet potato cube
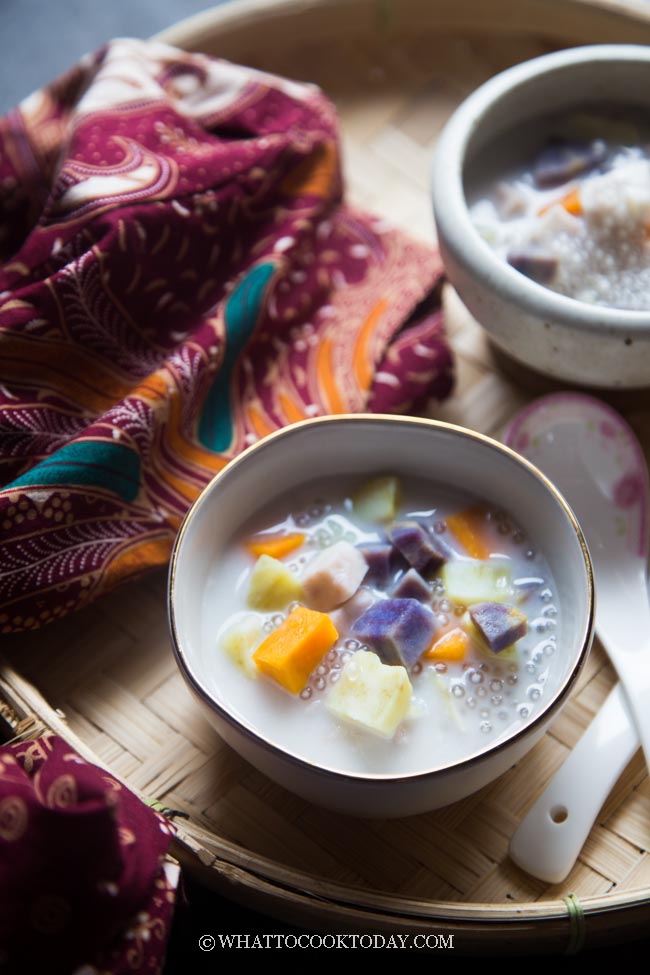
272	585
241	640
289	654
371	695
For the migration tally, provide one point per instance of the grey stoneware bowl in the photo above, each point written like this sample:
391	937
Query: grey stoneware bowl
566	339
362	446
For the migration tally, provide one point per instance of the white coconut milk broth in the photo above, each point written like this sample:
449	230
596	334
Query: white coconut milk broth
458	708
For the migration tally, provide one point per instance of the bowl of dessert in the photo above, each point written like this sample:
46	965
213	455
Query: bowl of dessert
541	196
382	614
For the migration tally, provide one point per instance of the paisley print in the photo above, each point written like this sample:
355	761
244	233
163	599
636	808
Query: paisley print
181	276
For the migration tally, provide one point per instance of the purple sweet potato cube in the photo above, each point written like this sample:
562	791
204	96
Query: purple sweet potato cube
412	586
415	544
500	625
399	630
379	556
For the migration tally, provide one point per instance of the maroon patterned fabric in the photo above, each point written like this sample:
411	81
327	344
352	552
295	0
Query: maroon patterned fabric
85	880
181	276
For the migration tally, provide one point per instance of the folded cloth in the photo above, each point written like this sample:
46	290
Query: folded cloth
181	277
86	883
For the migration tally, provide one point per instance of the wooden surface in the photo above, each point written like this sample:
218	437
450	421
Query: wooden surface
395	72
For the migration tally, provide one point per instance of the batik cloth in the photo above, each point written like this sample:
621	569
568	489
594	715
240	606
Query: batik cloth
86	882
181	276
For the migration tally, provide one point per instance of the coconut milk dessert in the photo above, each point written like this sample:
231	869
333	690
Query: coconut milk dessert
575	215
382	627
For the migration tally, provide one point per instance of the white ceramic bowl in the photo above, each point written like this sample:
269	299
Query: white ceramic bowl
363	445
564	338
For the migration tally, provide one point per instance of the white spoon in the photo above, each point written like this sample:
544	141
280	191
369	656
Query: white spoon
593	457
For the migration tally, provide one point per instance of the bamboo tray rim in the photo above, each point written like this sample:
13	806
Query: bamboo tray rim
207	852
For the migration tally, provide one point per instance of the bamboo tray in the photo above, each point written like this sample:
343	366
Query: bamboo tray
106	679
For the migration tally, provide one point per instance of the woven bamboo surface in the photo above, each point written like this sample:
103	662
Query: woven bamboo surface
395	72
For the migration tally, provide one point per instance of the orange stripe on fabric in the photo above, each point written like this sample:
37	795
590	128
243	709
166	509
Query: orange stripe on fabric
362	362
292	412
257	421
326	381
137	558
316	175
62	368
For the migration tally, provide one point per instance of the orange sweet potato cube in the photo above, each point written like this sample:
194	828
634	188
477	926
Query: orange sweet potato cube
277	546
289	654
451	646
469	526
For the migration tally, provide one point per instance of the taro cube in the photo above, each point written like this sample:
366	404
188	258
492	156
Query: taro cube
346	614
371	695
412	586
415	544
333	576
500	625
378	555
400	630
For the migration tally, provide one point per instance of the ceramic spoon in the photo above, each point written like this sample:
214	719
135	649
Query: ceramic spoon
593	457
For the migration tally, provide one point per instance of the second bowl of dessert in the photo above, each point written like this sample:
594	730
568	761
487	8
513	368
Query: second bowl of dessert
541	195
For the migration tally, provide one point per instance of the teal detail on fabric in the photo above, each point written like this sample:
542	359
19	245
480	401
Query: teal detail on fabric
98	463
241	314
577	925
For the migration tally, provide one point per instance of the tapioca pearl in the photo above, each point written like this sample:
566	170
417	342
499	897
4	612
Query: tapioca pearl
443	620
440	668
306	693
268	626
320	683
334	676
277	618
481	692
484	712
439	527
542	625
531	668
345	656
322	669
549	649
301	520
458	690
471	702
530	554
550	611
485	727
496	685
416	668
332	656
534	692
444	606
517	536
352	645
293	606
523	710
459	610
475	676
496	699
512	679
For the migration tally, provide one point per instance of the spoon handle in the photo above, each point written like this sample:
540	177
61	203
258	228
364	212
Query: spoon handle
549	838
623	627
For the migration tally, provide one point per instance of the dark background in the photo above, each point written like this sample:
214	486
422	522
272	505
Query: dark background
38	40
